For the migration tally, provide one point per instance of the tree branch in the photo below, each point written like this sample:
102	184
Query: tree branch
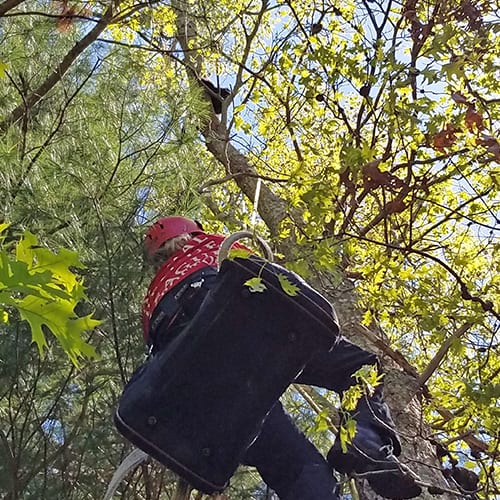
436	360
486	305
58	72
272	209
9	4
386	349
46	143
231	177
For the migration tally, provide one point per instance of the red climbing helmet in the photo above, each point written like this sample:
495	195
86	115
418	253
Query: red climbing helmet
168	227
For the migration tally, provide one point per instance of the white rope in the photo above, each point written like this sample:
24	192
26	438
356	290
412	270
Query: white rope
253	217
132	460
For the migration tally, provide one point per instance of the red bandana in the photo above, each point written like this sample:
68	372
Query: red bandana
199	252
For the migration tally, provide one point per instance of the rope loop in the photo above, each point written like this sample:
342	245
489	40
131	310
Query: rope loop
233	238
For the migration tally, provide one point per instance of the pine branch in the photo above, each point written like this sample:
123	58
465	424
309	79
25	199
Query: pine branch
9	4
57	74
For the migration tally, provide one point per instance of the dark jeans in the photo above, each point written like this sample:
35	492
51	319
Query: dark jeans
284	457
286	460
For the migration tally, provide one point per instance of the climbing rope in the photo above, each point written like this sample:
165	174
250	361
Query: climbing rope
131	461
253	217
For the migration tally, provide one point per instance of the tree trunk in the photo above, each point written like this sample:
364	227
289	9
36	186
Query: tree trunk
401	387
401	391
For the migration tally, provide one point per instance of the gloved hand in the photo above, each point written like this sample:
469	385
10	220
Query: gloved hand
371	454
374	449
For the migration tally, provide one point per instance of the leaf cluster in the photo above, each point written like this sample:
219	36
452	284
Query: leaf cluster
40	285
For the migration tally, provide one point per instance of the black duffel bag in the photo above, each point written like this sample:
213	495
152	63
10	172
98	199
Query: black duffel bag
199	403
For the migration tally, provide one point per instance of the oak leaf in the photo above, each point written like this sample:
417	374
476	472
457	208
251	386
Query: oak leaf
288	287
459	98
374	177
255	285
473	118
491	144
395	206
446	138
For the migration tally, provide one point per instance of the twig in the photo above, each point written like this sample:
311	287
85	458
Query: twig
183	490
306	393
57	74
486	305
230	177
386	349
405	469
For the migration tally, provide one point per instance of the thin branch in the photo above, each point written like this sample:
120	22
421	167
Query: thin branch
436	360
473	442
69	17
43	147
311	397
386	211
9	4
486	305
246	52
387	350
230	177
455	211
65	446
428	161
154	48
11	463
111	296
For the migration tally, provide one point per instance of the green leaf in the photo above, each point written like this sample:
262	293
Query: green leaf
41	286
16	276
39	259
288	287
320	423
369	377
3	67
59	317
347	432
495	176
239	253
351	396
453	69
255	285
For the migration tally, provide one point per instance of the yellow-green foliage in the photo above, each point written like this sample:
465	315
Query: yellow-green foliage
40	285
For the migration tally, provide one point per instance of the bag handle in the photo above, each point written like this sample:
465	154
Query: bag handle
233	238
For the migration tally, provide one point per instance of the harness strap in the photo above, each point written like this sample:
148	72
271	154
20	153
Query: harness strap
171	305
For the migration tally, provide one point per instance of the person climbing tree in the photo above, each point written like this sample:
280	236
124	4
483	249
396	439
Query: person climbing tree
185	260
